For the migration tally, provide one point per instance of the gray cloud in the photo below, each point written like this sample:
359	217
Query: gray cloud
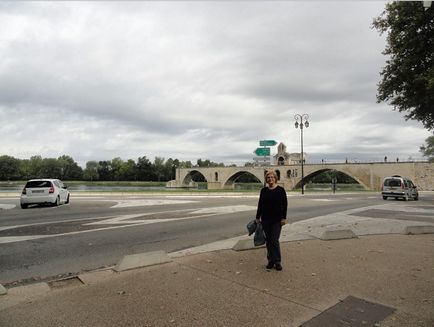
193	80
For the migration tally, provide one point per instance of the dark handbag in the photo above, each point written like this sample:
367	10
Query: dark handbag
259	238
251	226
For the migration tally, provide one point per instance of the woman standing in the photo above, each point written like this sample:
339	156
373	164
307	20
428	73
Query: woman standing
272	207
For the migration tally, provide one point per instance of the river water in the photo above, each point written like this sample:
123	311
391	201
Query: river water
86	188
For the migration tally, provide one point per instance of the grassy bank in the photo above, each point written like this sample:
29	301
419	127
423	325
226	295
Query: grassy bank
140	187
325	187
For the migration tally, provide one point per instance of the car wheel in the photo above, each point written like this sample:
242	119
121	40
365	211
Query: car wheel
384	197
67	200
405	198
57	202
23	206
416	197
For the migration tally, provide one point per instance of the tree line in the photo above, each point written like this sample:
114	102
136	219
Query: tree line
142	169
65	168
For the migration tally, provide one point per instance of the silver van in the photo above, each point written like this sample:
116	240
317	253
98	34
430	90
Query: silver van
399	187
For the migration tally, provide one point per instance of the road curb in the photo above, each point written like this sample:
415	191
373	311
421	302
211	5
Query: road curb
337	234
246	244
3	290
416	230
139	260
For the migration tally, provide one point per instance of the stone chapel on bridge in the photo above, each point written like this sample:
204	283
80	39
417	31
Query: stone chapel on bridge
284	158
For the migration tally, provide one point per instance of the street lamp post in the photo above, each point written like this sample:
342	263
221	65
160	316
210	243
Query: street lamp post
301	120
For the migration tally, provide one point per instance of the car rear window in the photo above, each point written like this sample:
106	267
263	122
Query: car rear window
37	184
392	182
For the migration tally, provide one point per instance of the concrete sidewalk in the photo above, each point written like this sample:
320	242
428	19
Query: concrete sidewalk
233	288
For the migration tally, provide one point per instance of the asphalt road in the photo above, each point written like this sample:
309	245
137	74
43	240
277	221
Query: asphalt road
94	232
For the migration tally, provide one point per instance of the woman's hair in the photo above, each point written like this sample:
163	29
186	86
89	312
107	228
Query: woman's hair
271	172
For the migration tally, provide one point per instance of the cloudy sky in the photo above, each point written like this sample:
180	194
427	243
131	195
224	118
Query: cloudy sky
190	80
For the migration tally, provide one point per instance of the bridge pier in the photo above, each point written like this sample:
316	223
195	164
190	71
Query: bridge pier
214	186
178	184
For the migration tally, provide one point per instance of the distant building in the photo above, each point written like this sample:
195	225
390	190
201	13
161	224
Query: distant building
284	158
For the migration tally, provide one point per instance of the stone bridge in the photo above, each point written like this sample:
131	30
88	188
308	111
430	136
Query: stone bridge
369	175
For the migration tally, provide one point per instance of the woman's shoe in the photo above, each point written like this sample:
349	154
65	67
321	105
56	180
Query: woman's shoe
278	266
270	265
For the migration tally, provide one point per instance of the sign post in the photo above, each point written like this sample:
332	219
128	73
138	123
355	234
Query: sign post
264	152
267	143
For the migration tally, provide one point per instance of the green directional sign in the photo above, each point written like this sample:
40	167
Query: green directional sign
267	143
262	151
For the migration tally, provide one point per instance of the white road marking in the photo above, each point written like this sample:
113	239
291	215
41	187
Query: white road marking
91	197
228	209
52	222
7	206
11	239
205	212
143	203
212	196
126	221
403	208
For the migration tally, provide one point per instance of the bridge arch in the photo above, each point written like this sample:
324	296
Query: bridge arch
312	174
355	177
230	181
189	179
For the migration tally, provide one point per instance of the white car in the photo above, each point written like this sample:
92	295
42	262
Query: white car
44	191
